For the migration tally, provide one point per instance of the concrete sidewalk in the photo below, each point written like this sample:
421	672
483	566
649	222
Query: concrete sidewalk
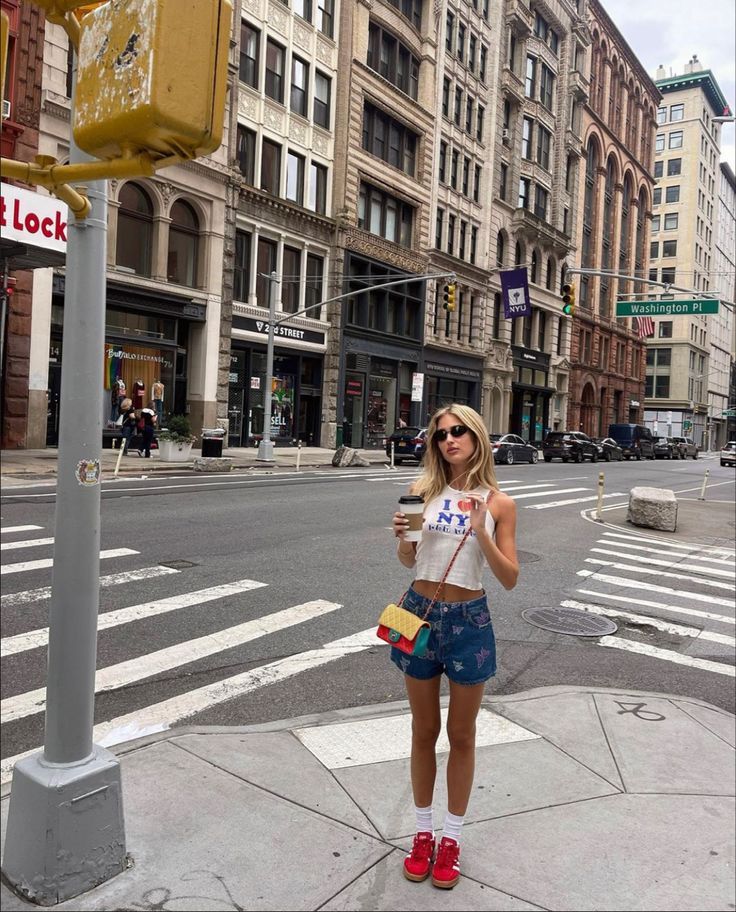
583	799
38	465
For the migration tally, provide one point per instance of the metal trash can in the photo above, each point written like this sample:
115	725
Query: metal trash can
212	439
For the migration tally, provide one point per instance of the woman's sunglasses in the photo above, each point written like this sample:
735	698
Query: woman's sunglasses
457	430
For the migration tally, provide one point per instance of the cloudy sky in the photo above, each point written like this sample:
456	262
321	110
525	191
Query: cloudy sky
671	31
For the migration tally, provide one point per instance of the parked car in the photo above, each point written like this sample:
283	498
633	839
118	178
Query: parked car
509	448
608	449
687	446
666	448
634	439
409	443
569	446
728	453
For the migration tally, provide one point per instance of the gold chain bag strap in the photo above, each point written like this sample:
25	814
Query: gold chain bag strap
406	631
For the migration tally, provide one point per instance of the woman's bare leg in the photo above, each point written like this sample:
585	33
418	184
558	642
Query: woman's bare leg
464	705
424	699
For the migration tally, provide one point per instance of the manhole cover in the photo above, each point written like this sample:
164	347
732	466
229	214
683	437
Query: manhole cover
527	557
177	564
570	621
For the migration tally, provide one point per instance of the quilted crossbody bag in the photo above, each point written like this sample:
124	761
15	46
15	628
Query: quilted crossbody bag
406	631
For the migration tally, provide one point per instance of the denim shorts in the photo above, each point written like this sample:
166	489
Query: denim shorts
461	641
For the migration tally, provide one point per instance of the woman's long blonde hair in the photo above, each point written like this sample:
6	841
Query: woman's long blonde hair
436	475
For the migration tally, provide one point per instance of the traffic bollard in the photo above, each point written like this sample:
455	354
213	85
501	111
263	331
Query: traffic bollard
298	456
705	485
123	448
391	467
601	485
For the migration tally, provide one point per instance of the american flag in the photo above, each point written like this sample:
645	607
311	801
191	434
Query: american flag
644	327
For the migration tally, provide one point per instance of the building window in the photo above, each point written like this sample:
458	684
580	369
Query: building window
246	152
325	16
241	276
135	225
524	185
295	178
531	76
479	123
527	128
453	168
270	167
672	194
469	115
656	221
676	140
318	188
503	181
677	112
473	243
451	235
653	250
303	8
392	60
483	59
249	40
534	269
299	86
385	215
665	329
661	115
438	229
541	200
393	142
275	57
546	87
291	279
458	105
670	221
443	162
267	251
183	245
446	98
466	176
461	239
669	248
500	249
668	275
656	196
449	32
313	292
659	143
674	167
460	49
476	184
322	92
544	143
658	168
410	9
497	313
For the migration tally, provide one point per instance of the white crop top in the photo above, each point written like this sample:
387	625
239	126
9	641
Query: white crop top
444	525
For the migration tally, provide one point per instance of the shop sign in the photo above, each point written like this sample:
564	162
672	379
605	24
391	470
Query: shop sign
417	387
354	388
280	331
524	356
32	219
255	383
451	370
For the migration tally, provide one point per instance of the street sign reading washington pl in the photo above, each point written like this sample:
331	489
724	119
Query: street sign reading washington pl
665	308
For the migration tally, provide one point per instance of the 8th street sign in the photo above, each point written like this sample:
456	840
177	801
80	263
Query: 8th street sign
665	308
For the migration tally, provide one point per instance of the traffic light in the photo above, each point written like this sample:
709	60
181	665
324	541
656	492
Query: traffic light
568	299
449	297
152	77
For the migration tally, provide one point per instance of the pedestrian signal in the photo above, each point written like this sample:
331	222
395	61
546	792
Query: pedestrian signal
449	302
568	299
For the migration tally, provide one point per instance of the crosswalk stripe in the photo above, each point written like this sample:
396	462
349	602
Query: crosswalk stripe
564	503
8	529
524	487
13	599
124	673
627	544
715	584
713	571
668	655
549	493
24	566
161	716
29	543
34	638
646	620
675	609
724	553
651	587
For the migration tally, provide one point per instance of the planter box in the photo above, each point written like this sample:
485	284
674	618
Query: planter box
173	451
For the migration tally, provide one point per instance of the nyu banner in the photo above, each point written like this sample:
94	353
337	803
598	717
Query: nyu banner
515	289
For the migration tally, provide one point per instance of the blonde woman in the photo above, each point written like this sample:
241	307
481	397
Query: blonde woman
460	492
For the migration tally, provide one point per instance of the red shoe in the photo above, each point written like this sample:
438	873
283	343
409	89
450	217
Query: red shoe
446	870
418	863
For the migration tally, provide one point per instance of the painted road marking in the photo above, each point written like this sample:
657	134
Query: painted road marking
12	599
24	566
651	587
663	606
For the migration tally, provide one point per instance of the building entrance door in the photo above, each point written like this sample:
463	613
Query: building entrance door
354	409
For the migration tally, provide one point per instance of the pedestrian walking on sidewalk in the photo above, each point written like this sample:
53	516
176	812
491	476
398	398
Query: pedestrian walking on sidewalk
148	417
128	423
461	496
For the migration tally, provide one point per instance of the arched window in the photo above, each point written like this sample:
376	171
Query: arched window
624	247
500	248
135	230
517	254
612	93
535	267
549	283
607	237
591	168
183	245
640	234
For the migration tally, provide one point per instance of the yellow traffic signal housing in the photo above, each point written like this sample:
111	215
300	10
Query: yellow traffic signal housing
449	295
568	299
152	77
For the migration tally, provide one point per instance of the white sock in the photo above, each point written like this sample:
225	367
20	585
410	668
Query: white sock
453	826
424	820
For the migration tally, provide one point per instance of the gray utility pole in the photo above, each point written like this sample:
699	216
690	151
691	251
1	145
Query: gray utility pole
265	448
65	822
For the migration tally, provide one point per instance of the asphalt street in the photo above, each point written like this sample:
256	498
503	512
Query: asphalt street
249	598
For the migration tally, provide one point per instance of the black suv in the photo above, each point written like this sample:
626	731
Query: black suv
569	446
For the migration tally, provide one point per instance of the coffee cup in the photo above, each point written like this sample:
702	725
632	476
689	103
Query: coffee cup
412	505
